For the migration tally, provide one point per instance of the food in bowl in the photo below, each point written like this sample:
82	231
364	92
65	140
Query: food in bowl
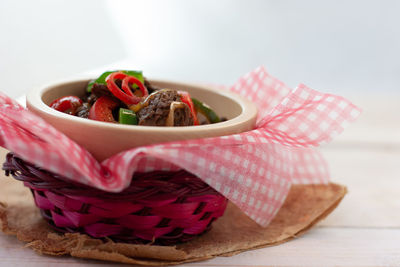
126	97
99	138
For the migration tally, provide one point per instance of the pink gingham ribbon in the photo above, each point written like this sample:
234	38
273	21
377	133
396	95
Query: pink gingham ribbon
254	169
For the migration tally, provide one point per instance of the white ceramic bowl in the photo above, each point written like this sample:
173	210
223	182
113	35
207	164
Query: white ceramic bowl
106	139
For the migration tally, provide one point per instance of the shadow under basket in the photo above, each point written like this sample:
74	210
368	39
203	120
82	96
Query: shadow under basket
159	207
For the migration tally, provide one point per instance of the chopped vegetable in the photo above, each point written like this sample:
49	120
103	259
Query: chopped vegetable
67	104
102	109
137	107
204	109
129	80
125	95
185	98
103	77
127	116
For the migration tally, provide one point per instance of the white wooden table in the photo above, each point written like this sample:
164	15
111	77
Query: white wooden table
363	231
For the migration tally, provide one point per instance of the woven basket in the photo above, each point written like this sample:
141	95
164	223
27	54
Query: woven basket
158	207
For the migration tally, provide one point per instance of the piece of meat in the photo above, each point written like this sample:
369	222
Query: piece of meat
155	113
83	111
182	117
99	90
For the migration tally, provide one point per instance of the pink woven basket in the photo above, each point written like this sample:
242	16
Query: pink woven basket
158	207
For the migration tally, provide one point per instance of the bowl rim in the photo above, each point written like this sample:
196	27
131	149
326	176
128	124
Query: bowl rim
249	109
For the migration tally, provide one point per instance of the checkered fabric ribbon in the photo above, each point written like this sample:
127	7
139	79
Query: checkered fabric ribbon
254	169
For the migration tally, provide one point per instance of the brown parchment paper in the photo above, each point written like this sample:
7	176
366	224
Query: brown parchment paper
230	235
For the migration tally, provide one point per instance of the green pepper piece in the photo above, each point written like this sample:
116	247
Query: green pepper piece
102	78
204	109
127	116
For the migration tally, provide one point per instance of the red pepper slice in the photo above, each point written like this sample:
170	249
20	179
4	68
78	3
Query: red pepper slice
133	80
66	103
125	93
185	98
102	109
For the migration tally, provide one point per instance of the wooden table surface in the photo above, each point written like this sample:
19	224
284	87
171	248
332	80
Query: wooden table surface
363	231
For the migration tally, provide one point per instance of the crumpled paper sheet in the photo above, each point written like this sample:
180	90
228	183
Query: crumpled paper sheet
254	170
231	234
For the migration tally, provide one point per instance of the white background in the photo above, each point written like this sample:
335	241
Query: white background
333	46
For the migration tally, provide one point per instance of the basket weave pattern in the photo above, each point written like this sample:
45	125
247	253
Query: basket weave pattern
158	207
